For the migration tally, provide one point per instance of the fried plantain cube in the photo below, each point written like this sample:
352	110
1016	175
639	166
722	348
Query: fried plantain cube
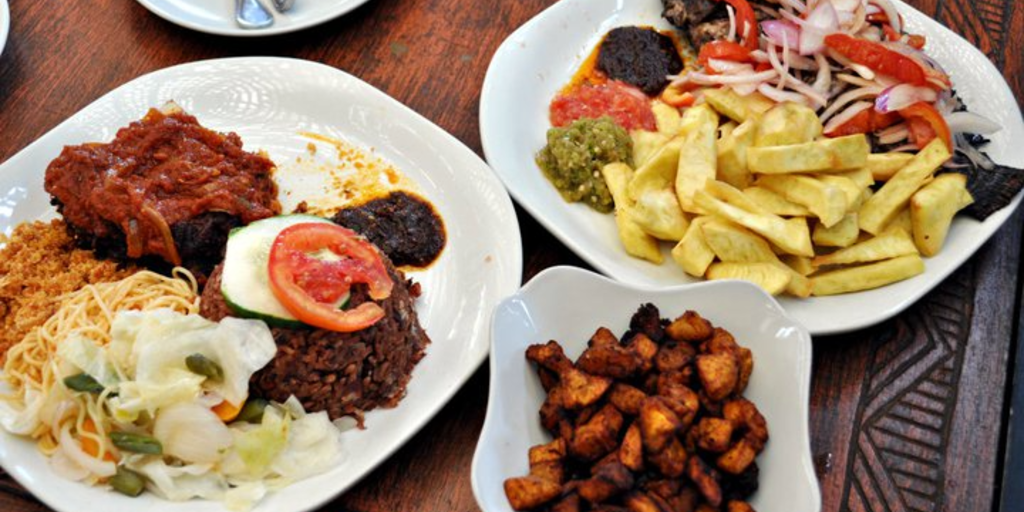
706	480
719	374
645	349
568	503
747	420
529	492
714	434
674	356
671	461
745	358
597	437
580	389
683	401
631	453
627	399
547	461
612	361
658	424
738	506
738	458
609	481
641	502
690	327
603	337
550	356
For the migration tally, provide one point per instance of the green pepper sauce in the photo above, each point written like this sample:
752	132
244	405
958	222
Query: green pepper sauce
575	155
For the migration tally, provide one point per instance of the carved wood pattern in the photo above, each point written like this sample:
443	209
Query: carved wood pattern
905	416
907	405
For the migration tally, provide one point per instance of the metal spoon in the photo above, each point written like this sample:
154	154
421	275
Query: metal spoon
250	14
283	5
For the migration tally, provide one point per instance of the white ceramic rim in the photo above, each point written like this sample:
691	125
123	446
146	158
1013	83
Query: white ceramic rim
232	29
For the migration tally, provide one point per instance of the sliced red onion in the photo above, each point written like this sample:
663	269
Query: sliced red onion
847	5
899	97
836	122
796	5
822	21
759	55
890	12
894	134
779	31
873	9
969	122
732	23
744	89
823	82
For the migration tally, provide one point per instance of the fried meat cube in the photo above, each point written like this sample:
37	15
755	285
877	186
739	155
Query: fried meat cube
603	337
674	356
685	501
529	492
721	341
647	320
706	480
719	374
631	453
683	401
613	361
738	458
569	503
658	424
714	434
609	480
547	461
550	356
738	506
642	502
665	488
597	437
626	398
748	420
580	389
745	358
645	349
671	461
689	327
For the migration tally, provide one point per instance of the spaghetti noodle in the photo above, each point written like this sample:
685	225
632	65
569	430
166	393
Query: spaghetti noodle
33	370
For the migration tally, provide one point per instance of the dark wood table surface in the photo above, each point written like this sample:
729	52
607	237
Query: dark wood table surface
911	415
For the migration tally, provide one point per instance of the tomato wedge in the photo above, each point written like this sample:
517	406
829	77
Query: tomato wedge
309	286
723	50
925	124
882	60
746	24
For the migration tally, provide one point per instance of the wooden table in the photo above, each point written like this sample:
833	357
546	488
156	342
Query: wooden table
910	415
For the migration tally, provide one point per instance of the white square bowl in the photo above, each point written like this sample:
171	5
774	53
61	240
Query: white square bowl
568	304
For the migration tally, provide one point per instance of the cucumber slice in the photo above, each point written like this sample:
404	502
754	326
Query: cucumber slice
246	281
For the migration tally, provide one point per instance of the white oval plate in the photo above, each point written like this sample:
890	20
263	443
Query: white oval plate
218	16
267	101
568	304
539	58
5	24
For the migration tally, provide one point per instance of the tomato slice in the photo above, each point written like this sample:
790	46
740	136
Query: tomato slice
925	124
723	50
314	265
746	24
882	60
868	121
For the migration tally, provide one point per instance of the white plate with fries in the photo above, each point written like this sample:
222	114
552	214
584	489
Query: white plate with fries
568	305
536	61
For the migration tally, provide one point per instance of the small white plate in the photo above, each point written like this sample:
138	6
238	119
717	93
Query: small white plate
568	304
267	101
218	16
5	24
539	58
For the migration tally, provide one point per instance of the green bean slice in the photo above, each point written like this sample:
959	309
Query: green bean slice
128	482
137	443
83	382
252	411
202	365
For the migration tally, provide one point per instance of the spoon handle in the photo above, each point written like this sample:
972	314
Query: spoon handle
250	14
283	5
